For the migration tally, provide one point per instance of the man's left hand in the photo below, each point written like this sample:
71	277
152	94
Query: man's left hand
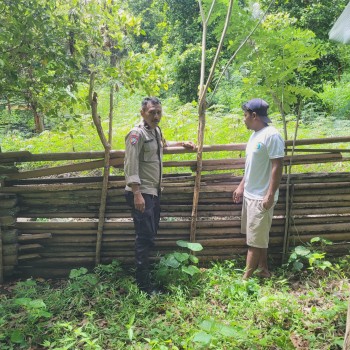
268	202
189	144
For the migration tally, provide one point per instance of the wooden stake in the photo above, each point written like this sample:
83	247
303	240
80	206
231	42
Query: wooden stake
1	260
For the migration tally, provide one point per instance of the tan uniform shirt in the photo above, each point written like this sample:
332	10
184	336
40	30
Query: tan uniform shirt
143	158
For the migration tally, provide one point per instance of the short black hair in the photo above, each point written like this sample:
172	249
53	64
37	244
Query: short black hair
152	100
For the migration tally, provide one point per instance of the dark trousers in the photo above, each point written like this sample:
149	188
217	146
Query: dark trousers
146	225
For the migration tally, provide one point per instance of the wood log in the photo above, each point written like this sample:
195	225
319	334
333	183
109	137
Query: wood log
63	180
9	236
10	260
29	247
26	257
318	150
317	205
64	169
24	237
8	271
7	220
325	140
8	203
4	170
25	156
9	249
320	198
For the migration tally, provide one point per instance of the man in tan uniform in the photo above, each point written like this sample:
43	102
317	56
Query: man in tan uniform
143	174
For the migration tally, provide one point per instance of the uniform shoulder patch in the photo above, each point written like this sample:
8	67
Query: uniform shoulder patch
134	137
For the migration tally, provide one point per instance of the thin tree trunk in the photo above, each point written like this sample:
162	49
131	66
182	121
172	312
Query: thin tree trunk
347	331
202	107
107	147
38	119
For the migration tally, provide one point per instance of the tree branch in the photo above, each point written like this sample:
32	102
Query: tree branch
238	49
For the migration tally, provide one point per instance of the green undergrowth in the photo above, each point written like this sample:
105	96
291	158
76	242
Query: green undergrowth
180	122
212	308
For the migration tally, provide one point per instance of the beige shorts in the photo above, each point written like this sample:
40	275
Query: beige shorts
256	222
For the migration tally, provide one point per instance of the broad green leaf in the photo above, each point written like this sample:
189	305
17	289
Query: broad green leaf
23	301
190	270
194	259
302	251
297	265
228	331
195	247
202	337
37	304
207	325
172	262
17	337
181	257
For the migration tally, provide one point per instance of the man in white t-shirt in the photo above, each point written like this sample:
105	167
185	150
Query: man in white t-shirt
258	189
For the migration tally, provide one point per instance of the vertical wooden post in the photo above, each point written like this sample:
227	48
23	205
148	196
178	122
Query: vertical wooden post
1	260
107	147
202	105
288	201
347	331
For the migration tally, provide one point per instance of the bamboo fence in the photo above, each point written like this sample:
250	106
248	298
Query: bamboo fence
51	222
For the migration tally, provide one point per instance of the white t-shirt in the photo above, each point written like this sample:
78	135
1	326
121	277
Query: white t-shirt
262	146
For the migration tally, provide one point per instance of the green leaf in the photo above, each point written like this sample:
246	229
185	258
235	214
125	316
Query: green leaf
190	270
23	301
37	304
172	262
78	272
181	257
195	247
228	331
17	337
315	239
202	337
194	259
207	325
297	265
302	251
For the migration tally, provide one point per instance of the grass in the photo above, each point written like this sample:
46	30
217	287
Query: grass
103	309
180	122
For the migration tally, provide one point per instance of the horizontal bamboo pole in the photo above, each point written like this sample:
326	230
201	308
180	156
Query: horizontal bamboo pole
339	139
29	247
25	237
26	257
27	156
318	150
64	169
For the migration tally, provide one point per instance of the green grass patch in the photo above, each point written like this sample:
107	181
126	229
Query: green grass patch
103	309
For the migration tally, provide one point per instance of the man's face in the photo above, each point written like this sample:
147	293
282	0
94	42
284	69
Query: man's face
152	114
248	119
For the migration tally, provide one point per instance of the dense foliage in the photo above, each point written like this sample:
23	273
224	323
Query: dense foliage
210	308
49	49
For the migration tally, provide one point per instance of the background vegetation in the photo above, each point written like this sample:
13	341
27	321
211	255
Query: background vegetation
302	307
49	48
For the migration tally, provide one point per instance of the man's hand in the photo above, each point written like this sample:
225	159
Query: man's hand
139	201
268	201
189	144
237	195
